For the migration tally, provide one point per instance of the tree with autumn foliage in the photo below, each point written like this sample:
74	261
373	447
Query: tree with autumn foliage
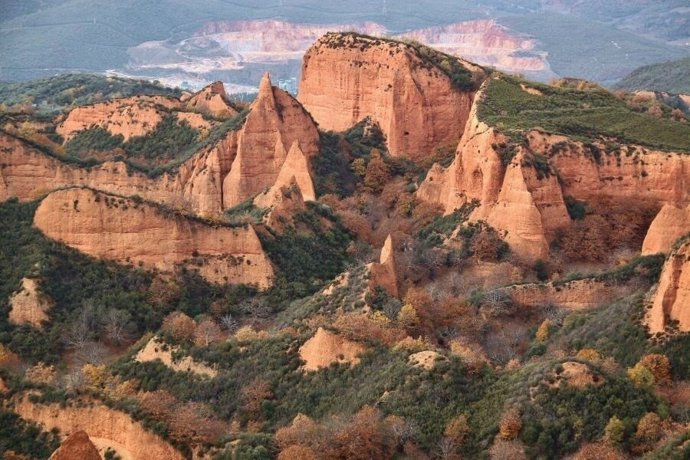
511	423
180	326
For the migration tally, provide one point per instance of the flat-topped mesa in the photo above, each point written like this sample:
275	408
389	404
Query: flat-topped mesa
128	117
420	97
128	231
671	302
212	100
276	123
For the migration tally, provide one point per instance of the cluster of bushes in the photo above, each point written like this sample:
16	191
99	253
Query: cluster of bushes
24	438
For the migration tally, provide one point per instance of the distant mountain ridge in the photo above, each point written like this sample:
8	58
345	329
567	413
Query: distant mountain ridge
672	77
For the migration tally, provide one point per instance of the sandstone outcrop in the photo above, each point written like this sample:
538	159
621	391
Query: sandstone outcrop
212	100
573	295
276	123
348	77
196	186
576	375
125	230
525	200
157	350
28	305
326	348
103	425
527	206
667	227
671	301
129	117
76	446
384	273
424	359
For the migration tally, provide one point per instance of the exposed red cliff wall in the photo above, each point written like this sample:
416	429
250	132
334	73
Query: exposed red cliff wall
346	77
123	230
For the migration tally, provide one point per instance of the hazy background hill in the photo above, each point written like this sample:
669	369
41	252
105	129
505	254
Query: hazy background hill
594	39
672	77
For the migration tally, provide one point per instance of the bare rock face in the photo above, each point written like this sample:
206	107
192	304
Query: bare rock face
667	227
105	426
326	348
384	274
527	206
196	186
276	123
157	350
132	116
28	305
212	100
574	295
76	446
348	77
671	302
124	230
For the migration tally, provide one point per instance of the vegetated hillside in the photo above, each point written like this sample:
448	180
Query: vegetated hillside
406	318
50	95
580	114
671	77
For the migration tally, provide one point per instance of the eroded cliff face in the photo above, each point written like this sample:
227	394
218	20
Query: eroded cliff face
126	231
526	206
574	295
667	227
276	123
132	116
27	173
671	301
28	305
384	273
326	348
346	77
525	198
76	446
99	423
212	100
155	349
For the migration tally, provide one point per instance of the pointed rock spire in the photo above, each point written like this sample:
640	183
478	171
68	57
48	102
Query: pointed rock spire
77	445
265	90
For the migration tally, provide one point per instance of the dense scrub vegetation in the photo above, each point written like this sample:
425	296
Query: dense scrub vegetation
581	114
25	438
54	94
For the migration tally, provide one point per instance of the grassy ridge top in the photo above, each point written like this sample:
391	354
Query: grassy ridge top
671	77
581	114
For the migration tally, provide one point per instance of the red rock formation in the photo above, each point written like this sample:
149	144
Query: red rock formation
574	295
346	77
671	302
123	230
77	446
195	186
276	123
668	226
526	206
132	116
326	348
212	101
99	422
28	305
384	274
